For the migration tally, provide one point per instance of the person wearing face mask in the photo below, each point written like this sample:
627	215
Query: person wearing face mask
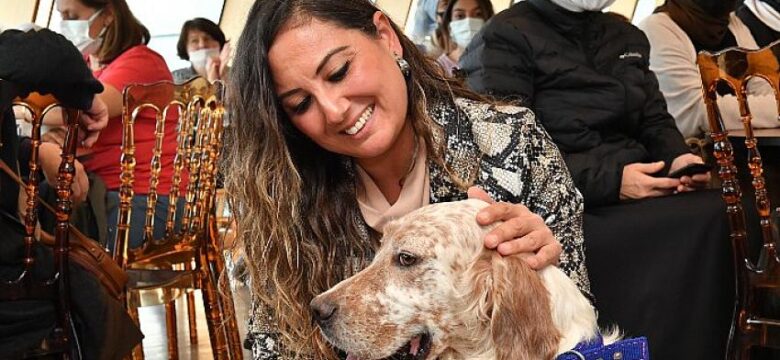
114	42
677	31
202	42
657	246
425	20
462	20
438	41
78	32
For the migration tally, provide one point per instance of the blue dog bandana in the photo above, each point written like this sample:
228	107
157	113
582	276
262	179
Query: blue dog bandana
627	349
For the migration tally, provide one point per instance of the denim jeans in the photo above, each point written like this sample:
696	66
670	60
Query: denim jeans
138	218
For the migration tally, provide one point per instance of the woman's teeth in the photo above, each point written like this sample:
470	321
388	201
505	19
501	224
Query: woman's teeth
361	122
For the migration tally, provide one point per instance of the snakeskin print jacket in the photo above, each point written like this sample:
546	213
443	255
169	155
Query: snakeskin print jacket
502	149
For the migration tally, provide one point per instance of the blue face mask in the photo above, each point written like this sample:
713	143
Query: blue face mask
463	30
77	31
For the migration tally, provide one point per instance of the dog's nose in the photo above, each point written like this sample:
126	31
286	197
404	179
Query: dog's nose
322	310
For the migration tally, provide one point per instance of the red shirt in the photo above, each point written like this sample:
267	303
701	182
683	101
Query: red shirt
140	65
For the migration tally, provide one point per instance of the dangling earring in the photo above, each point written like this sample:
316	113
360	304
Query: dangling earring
406	70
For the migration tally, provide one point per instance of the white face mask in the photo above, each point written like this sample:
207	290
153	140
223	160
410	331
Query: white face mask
463	30
583	5
199	58
77	31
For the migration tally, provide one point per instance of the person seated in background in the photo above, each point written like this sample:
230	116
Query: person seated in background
45	62
203	43
657	248
114	44
440	41
434	42
425	21
462	20
678	31
762	18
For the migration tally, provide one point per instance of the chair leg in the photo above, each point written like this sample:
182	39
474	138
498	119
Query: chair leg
170	328
216	258
234	340
228	310
192	317
217	335
138	351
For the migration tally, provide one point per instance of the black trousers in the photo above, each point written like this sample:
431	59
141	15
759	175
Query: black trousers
662	268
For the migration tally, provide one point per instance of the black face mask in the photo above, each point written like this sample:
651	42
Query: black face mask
704	21
717	8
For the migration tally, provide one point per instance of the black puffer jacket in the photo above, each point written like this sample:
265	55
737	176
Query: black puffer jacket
587	77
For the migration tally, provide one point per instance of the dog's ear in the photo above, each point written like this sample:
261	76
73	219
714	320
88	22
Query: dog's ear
511	295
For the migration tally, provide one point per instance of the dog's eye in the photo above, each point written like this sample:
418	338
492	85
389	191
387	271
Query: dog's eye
406	259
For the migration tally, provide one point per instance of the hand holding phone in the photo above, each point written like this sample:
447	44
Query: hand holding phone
690	170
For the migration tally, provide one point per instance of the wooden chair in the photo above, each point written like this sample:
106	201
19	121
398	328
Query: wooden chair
29	285
191	257
758	283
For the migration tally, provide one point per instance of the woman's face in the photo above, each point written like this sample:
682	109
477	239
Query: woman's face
467	8
76	10
340	87
197	40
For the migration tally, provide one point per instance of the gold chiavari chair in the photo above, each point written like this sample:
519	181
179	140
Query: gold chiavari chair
190	257
33	282
755	324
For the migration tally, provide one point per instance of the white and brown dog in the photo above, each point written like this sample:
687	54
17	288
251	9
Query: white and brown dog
434	291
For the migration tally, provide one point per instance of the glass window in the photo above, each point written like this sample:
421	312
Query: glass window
164	20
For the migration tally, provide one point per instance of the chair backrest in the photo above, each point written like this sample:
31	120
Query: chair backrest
756	281
197	106
28	285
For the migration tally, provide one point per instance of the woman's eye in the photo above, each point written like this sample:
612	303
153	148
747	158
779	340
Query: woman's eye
340	73
406	259
302	106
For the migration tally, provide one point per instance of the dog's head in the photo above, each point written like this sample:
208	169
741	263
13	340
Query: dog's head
434	290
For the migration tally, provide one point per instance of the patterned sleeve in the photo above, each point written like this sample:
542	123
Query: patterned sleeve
521	164
261	339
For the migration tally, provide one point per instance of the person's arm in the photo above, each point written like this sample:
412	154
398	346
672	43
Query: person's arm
46	62
216	69
113	100
534	175
598	172
498	65
503	67
680	77
424	20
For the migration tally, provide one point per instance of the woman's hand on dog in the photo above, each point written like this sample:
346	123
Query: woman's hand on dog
522	231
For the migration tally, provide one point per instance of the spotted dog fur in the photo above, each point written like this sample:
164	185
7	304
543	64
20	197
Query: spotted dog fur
471	301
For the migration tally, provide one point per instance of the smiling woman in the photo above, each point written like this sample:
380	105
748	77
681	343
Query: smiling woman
341	125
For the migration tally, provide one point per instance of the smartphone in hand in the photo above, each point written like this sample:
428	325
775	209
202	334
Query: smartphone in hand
690	170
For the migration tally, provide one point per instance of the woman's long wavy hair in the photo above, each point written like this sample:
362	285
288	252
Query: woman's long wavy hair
294	202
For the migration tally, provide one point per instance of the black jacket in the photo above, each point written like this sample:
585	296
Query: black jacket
587	77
